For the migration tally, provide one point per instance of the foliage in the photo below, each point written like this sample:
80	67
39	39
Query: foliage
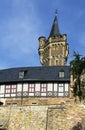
78	126
77	66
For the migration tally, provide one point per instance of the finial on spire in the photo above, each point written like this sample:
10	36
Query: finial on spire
55	27
56	12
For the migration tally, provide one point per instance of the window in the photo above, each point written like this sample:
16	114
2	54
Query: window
13	89
7	89
61	74
60	89
31	87
43	87
66	87
55	87
25	87
21	74
10	89
61	85
7	86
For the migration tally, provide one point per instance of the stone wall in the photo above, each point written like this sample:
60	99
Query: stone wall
36	101
50	117
24	118
63	117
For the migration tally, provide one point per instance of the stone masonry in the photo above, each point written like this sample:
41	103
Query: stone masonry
50	117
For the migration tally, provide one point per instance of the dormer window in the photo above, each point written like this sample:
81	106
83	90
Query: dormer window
21	74
61	74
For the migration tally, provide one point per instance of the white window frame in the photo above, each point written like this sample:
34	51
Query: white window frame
61	74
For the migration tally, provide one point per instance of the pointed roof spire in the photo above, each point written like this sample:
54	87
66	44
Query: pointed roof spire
55	27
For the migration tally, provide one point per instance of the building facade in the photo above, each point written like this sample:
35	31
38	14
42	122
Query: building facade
52	80
35	82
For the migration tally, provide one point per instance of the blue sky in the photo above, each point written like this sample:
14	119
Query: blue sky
22	22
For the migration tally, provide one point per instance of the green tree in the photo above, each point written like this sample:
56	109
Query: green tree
77	66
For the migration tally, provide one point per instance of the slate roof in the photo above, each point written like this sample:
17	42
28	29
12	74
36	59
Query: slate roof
55	28
34	74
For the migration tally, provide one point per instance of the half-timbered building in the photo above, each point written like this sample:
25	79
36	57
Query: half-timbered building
35	82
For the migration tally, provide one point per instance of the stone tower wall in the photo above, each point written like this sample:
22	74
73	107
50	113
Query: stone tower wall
54	51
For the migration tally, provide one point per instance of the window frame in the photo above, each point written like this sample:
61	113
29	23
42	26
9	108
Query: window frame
13	88
31	88
7	89
43	88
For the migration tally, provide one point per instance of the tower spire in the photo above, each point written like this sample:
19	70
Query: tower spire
55	27
54	50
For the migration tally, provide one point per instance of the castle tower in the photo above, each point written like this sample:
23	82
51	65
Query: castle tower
54	50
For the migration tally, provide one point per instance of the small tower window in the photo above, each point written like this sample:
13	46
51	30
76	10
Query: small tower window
61	74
